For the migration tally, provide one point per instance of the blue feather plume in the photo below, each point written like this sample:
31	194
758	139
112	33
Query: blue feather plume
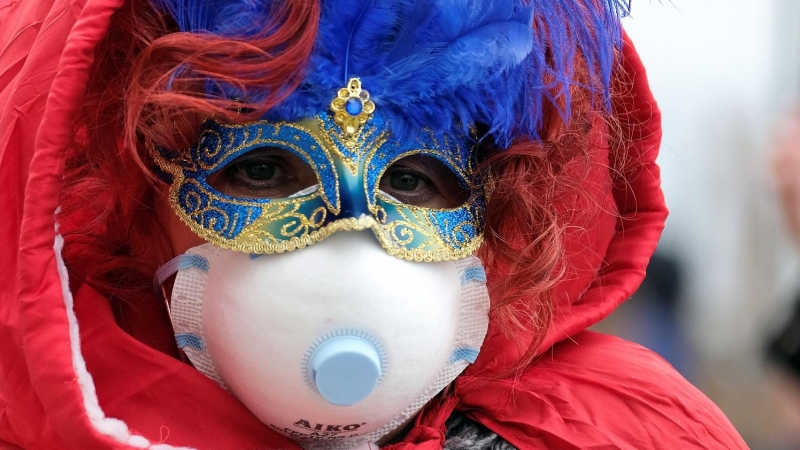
228	18
439	64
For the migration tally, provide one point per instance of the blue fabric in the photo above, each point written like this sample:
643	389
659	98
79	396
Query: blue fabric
475	273
464	354
190	340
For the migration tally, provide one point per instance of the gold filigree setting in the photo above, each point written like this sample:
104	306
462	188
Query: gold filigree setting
352	107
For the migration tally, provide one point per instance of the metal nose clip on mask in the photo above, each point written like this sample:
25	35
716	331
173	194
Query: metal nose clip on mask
334	345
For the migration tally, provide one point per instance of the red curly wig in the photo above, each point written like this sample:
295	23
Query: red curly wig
115	239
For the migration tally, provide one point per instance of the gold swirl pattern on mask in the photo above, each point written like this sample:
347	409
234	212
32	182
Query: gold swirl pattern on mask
272	212
216	218
207	152
286	215
402	233
301	224
363	141
221	154
404	236
417	222
262	246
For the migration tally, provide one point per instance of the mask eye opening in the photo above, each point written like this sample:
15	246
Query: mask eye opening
426	180
268	172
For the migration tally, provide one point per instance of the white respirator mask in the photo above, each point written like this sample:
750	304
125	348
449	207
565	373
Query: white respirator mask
333	346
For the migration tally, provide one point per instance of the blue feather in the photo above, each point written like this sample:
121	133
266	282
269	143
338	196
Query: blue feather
486	52
439	64
230	18
352	36
417	16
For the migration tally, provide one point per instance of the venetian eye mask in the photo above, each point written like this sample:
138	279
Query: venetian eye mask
349	150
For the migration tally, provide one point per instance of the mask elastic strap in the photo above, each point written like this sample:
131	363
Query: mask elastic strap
180	262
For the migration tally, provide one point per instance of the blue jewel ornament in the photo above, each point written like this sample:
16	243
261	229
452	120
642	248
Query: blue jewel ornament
354	107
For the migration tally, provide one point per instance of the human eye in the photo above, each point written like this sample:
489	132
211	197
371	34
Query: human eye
424	181
266	172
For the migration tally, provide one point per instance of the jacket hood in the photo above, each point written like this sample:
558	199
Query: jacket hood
70	378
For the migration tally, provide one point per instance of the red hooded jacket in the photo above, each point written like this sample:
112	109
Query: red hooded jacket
70	378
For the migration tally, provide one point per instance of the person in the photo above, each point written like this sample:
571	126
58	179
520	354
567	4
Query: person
249	224
784	347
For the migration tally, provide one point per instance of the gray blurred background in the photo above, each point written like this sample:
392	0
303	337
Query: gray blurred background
726	74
